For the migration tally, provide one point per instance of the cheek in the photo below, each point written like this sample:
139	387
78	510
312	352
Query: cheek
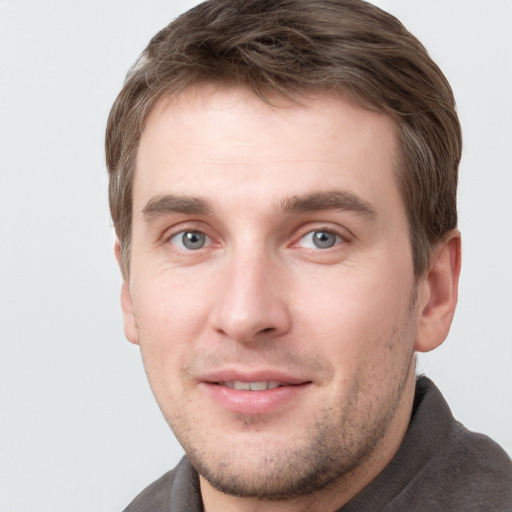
354	316
171	314
171	302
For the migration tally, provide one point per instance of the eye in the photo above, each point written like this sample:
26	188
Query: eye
190	240
321	239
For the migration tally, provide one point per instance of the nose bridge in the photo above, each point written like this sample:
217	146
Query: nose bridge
251	303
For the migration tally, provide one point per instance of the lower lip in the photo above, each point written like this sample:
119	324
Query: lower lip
253	402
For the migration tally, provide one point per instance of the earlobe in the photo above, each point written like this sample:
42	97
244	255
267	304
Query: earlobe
130	324
438	294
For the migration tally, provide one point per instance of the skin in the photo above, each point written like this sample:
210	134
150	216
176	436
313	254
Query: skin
259	300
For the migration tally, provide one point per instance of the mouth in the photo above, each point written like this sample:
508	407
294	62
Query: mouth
261	385
250	396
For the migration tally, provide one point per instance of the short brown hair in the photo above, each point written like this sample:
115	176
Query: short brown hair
349	47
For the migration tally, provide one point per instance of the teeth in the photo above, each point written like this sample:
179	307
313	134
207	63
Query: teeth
258	386
251	386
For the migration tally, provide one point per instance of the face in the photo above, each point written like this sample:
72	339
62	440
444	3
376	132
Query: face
271	287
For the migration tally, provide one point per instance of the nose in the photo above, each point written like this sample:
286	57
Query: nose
252	303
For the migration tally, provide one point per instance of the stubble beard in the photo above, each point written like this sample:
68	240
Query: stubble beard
331	454
341	439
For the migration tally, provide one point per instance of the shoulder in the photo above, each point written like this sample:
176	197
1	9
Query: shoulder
479	468
175	491
155	496
463	470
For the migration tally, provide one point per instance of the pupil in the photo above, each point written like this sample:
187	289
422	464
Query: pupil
193	240
324	239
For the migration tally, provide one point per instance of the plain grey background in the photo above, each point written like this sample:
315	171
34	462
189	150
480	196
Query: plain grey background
79	429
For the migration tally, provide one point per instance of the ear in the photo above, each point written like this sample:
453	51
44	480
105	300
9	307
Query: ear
130	325
438	294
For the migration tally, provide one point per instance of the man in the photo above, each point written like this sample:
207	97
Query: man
283	187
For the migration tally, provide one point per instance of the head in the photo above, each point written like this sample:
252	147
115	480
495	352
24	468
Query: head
345	47
283	179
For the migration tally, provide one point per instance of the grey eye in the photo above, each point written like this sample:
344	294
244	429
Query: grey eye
189	240
193	240
320	240
324	239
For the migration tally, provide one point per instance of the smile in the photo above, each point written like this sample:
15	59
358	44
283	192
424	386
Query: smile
261	385
255	396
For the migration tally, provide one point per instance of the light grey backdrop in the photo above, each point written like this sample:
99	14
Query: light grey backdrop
79	430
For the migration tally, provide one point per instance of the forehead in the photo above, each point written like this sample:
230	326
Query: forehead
225	142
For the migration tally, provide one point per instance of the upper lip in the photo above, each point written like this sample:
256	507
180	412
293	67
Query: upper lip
229	375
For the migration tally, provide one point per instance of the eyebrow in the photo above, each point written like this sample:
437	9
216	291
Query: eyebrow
329	200
166	204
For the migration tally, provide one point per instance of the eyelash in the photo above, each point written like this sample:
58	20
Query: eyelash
193	232
338	239
179	239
